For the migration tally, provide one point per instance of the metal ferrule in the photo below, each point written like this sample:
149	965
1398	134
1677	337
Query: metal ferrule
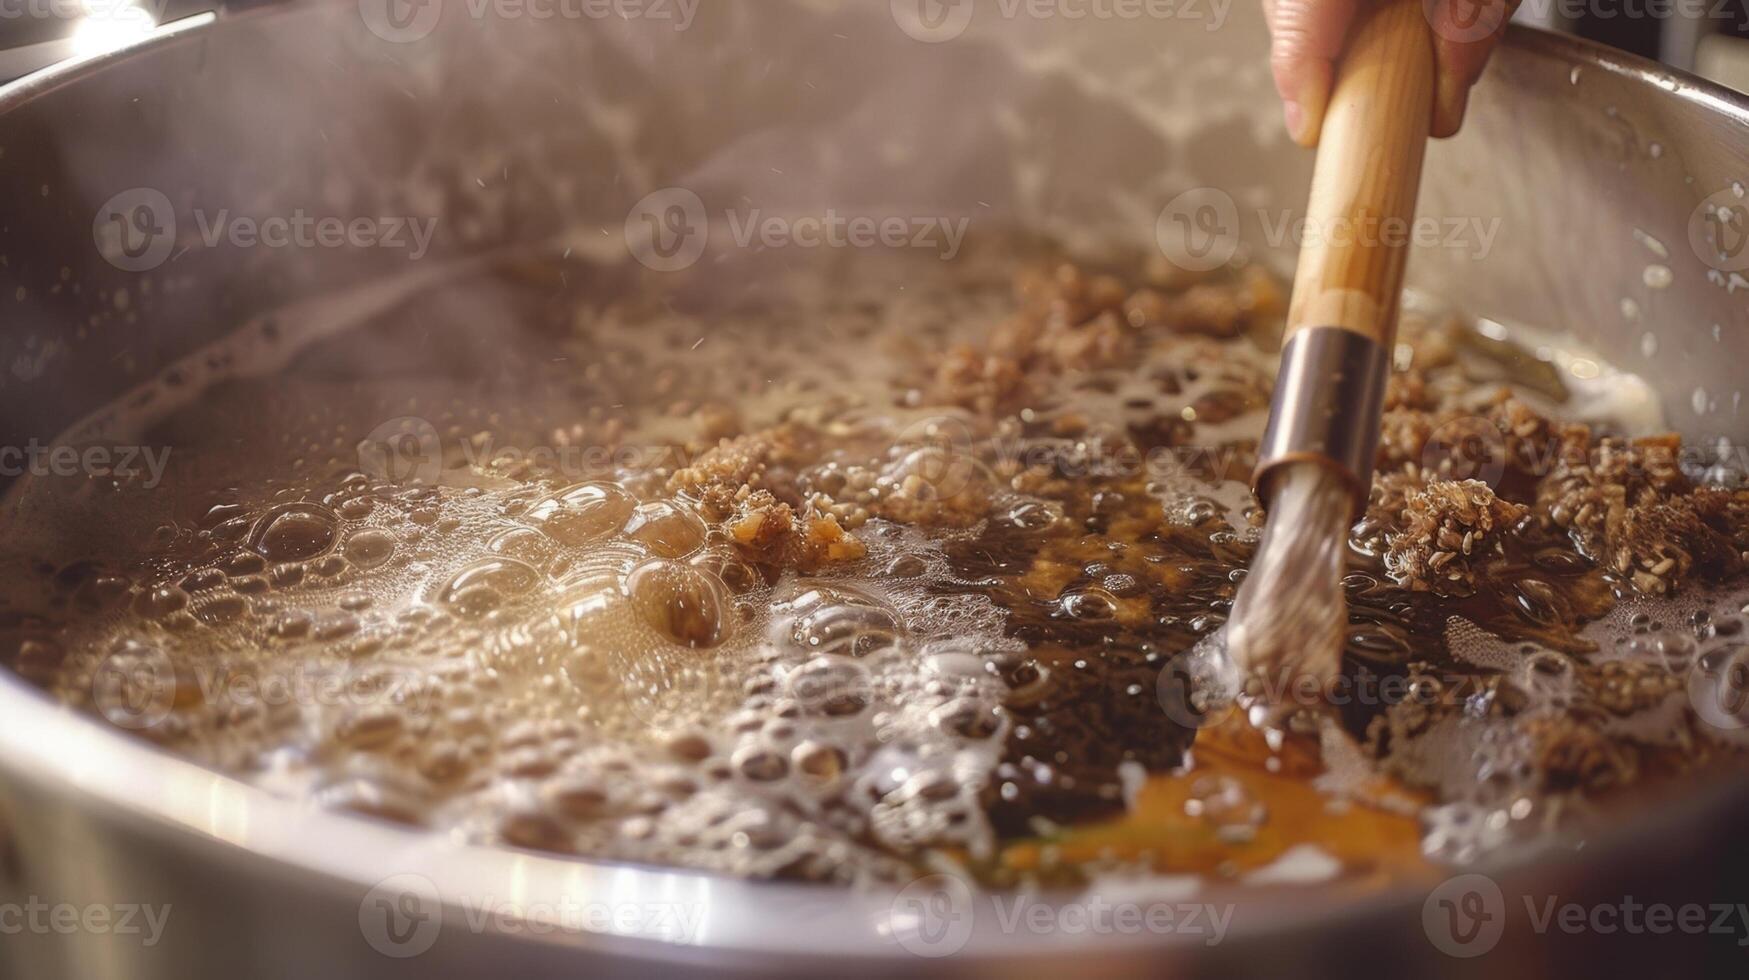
1328	398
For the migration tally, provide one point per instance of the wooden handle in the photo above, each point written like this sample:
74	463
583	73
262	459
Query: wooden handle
1362	206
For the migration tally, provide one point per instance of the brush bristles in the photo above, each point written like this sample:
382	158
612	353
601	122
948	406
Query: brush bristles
1289	618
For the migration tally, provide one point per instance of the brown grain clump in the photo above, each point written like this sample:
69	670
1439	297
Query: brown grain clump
1074	320
1221	310
1213	311
984	382
1660	544
716	421
770	533
1064	295
1589	496
1574	754
1403	435
1421	381
1070	320
1409	390
1628	506
929	484
1103	341
915	500
1446	529
824	541
1433	697
1433	344
1623	687
1532	444
1501	436
1725	511
1569	751
764	460
748	486
1449	444
1385	505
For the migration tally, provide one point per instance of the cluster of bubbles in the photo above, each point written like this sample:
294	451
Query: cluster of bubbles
571	662
589	666
1691	687
574	670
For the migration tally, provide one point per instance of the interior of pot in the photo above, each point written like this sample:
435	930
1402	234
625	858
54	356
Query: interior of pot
1577	175
1575	200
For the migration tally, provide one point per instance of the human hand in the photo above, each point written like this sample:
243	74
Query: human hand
1307	38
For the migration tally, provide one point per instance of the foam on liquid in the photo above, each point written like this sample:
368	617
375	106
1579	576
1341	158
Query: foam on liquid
548	650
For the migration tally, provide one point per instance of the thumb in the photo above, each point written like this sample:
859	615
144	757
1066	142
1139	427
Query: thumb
1305	39
1465	32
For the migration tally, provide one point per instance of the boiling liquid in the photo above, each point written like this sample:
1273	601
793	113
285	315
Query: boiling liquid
431	570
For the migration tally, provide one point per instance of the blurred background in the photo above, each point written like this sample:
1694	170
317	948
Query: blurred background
1708	37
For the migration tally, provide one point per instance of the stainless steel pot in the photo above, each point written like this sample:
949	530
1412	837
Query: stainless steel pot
512	128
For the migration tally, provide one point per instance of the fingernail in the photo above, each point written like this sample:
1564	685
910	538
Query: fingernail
1451	98
1305	112
1294	115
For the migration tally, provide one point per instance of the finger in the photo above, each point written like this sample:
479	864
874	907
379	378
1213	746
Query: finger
1306	37
1465	33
